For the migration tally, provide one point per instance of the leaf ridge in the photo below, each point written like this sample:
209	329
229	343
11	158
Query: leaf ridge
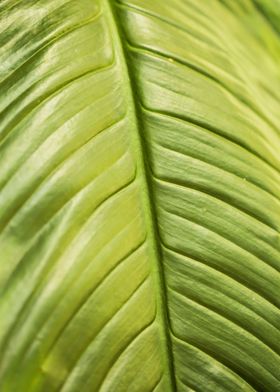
226	318
225	272
149	199
211	129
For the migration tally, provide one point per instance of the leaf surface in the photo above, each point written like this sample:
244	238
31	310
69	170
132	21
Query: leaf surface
140	196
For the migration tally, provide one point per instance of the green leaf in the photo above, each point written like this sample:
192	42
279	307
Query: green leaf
140	195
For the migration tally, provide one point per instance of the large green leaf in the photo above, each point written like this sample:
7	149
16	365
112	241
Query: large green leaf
140	195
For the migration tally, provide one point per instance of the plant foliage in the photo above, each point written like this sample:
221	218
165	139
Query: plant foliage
140	195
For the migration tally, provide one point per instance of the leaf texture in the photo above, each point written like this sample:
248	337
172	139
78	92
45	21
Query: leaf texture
140	195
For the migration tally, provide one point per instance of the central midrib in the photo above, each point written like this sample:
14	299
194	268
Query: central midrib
141	154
